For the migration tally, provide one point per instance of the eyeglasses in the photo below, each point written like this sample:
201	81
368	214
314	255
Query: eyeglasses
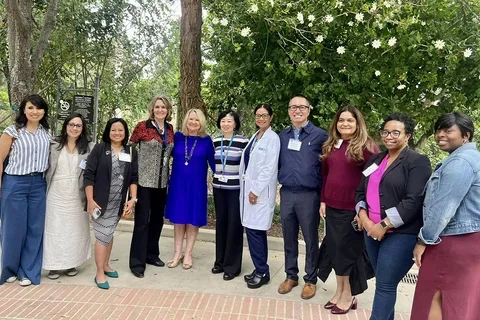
394	133
73	125
264	116
295	108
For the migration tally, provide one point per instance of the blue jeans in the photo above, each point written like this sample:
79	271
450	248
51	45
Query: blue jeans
23	203
391	259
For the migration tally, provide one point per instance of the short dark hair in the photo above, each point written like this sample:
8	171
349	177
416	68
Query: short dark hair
108	127
464	123
401	117
264	106
82	140
37	101
234	115
302	96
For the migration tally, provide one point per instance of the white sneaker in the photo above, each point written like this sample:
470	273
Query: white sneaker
25	282
12	279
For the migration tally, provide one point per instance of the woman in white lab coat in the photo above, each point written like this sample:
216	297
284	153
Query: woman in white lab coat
258	189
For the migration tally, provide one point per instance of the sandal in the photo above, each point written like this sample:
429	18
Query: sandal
175	263
187	266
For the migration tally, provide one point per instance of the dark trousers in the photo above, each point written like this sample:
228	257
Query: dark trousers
300	209
258	245
228	230
23	206
149	213
391	259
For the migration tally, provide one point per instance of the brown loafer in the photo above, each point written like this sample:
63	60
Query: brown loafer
308	291
287	286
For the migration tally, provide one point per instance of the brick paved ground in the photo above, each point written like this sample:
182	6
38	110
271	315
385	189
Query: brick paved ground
88	302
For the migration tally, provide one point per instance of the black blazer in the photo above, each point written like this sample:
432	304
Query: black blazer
98	173
402	187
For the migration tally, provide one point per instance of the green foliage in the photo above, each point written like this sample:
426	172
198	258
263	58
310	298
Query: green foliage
427	62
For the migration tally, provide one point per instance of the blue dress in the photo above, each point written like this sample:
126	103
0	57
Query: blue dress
187	189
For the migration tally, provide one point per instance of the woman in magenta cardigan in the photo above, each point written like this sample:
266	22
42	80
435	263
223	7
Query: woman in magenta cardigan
345	153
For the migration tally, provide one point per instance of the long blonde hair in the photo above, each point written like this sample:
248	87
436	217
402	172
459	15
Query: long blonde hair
203	122
359	141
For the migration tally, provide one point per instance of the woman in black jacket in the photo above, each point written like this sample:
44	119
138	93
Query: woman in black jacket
111	169
389	205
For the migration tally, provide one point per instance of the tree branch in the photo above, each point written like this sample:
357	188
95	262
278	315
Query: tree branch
13	7
42	42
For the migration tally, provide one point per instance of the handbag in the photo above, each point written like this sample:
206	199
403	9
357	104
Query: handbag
125	205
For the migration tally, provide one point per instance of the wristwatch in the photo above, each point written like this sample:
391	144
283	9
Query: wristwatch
421	242
384	225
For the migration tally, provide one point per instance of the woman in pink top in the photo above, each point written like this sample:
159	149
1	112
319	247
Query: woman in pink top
345	153
389	205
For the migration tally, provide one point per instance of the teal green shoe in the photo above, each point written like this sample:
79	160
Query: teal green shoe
103	285
111	274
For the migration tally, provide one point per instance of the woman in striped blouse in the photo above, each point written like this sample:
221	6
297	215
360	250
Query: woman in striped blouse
226	191
23	194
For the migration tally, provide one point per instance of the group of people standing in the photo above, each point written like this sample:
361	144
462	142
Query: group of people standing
383	211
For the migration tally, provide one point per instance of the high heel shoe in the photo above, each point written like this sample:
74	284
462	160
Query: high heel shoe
187	266
337	310
175	263
329	305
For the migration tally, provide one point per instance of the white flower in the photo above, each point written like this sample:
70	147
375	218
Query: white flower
343	70
224	22
245	32
341	50
387	4
401	87
253	8
438	91
392	41
300	17
439	44
399	2
339	4
329	18
374	7
311	17
351	23
359	17
376	44
319	38
310	24
380	26
271	2
467	53
215	20
377	73
423	23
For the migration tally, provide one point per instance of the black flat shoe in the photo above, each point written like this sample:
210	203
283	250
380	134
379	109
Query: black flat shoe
249	277
258	281
158	263
138	274
216	270
229	276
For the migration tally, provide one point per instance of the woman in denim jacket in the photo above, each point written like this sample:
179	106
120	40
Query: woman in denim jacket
447	248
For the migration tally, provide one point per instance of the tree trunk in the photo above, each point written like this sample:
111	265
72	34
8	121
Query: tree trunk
190	56
24	58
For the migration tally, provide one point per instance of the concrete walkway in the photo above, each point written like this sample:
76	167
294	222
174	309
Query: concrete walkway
176	293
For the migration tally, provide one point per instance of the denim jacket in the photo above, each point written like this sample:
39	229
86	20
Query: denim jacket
452	199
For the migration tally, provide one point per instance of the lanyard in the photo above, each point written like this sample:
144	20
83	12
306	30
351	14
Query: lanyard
224	159
252	147
164	135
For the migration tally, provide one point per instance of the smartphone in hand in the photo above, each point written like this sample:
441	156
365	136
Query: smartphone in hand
96	213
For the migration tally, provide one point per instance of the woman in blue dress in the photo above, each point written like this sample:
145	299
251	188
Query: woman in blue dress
187	190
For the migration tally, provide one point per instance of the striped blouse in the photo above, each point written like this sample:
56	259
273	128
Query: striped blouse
231	160
30	151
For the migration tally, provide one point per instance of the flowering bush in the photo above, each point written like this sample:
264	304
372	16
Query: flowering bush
420	57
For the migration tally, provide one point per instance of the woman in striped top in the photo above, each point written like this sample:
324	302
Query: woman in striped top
23	194
226	192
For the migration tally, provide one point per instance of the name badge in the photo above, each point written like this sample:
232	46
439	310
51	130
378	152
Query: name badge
223	179
83	164
125	157
370	170
294	145
338	144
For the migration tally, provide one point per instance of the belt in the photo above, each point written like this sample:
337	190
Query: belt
34	174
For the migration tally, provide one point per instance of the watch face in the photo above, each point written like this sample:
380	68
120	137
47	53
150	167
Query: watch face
384	225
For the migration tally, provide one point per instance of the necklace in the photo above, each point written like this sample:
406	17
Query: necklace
189	156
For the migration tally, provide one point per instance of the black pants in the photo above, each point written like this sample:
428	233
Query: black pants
300	209
258	245
228	230
149	213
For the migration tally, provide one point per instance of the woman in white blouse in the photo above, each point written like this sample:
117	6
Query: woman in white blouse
23	192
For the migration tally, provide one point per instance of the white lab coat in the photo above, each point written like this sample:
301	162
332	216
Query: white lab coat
261	179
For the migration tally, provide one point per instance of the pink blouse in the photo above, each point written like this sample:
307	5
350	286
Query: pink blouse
373	192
